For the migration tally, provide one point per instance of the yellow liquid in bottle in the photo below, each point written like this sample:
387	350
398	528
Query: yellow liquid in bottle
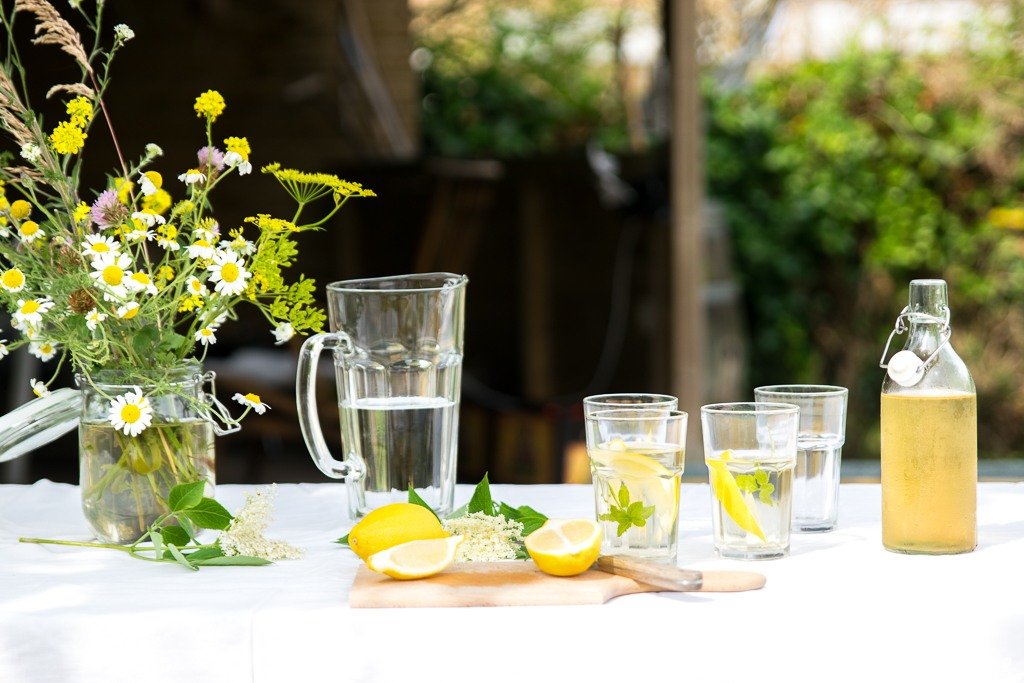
929	472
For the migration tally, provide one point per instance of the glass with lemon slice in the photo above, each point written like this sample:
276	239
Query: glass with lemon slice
750	451
636	461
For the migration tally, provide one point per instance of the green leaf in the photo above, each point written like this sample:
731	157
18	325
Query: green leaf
527	511
187	526
198	556
415	499
208	514
532	523
232	560
343	540
746	482
623	495
176	554
761	477
765	494
508	512
158	542
460	511
185	496
481	500
176	535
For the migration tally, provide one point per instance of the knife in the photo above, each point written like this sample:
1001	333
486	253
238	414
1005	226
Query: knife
671	578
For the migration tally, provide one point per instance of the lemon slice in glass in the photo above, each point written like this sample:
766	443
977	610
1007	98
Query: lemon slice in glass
565	547
415	559
728	492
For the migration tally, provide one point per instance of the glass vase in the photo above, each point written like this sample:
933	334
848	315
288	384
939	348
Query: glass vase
125	479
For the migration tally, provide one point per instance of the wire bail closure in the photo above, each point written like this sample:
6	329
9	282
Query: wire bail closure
906	367
218	413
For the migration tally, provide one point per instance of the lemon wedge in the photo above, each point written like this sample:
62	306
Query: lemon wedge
728	492
391	525
415	559
565	547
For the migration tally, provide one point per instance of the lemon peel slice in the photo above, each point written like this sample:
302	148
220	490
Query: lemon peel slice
415	559
728	492
565	547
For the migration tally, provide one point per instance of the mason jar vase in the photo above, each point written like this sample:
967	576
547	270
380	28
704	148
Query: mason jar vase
125	480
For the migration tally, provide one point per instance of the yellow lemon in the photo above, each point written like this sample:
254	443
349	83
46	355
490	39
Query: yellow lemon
646	479
415	559
565	547
724	485
391	525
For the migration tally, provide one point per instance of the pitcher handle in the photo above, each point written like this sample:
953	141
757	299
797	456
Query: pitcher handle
305	399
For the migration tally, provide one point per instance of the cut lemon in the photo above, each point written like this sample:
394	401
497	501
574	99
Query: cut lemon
728	492
565	547
392	524
646	479
415	559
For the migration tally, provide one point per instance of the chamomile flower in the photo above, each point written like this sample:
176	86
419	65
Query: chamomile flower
96	246
29	232
201	248
43	350
150	218
127	311
93	318
30	312
12	280
130	412
282	333
252	401
140	281
139	231
196	287
38	388
3	348
206	336
238	154
110	271
31	153
167	237
241	246
228	271
19	209
192	176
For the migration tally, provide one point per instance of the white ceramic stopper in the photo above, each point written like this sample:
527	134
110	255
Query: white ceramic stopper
906	369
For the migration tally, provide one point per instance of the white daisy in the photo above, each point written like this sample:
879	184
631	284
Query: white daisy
236	159
228	271
211	234
253	401
38	388
131	412
167	237
206	336
201	249
96	246
12	280
282	333
149	218
43	350
127	311
196	287
192	176
140	282
110	271
140	232
29	231
3	348
31	312
150	182
93	318
216	322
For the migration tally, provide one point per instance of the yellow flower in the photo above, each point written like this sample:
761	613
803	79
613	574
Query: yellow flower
239	146
13	280
165	273
190	303
158	202
150	181
82	212
20	209
210	104
30	231
67	138
124	189
80	111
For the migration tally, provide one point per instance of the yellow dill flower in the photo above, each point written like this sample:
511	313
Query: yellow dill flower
20	209
182	207
305	187
124	189
67	138
82	212
165	273
210	104
190	303
158	202
268	223
80	111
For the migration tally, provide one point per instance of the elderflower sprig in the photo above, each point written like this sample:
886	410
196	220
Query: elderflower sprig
173	537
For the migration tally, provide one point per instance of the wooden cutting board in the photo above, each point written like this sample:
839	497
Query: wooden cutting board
500	584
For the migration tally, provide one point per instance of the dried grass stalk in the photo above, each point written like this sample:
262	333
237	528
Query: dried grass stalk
53	29
72	88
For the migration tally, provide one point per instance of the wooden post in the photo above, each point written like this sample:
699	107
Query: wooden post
687	245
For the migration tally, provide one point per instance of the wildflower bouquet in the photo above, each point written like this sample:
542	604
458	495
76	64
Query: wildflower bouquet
130	283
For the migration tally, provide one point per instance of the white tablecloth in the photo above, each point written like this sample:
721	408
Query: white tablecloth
839	608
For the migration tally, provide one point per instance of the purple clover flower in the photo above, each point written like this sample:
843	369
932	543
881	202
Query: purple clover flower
211	156
108	210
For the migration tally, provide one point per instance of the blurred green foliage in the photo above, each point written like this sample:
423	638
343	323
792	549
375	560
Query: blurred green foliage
844	180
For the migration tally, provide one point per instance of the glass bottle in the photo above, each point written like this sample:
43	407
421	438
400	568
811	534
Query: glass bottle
929	434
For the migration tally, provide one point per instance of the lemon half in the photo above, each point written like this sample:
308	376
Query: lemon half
565	547
415	559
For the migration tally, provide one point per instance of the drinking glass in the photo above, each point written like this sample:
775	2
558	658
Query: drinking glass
750	451
819	449
636	461
397	346
592	404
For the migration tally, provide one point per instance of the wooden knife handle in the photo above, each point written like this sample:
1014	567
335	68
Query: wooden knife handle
671	578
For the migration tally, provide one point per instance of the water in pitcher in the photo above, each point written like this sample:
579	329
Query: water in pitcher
403	442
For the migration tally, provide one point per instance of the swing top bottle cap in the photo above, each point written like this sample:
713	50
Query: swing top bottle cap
928	296
906	368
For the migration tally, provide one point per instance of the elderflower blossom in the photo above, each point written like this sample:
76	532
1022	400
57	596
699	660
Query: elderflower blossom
486	538
244	535
123	33
30	152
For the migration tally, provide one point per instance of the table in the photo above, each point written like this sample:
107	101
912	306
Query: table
840	608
